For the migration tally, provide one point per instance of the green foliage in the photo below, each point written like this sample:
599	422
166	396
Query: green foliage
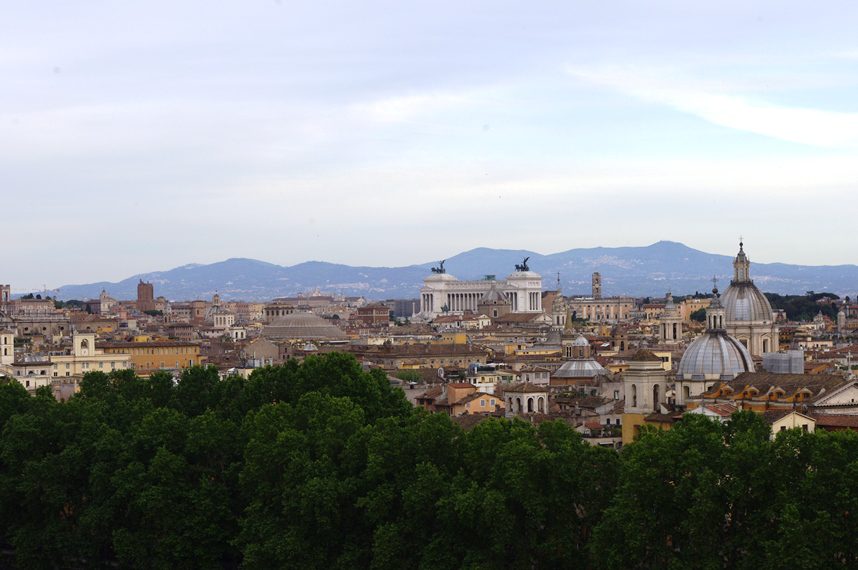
805	307
699	315
408	375
323	465
70	304
711	495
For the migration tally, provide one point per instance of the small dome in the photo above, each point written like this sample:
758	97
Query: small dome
581	341
580	369
714	356
743	302
305	326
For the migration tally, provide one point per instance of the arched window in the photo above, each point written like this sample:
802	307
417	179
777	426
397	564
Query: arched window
675	333
530	405
655	390
634	395
686	393
540	405
518	404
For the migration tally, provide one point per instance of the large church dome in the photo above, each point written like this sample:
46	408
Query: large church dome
742	300
714	355
303	326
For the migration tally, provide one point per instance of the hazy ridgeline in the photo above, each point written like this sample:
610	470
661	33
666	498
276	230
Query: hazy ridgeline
321	465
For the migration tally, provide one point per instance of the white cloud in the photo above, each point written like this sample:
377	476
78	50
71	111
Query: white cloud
407	107
794	124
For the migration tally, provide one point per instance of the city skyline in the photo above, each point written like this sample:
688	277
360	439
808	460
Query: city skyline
147	137
639	271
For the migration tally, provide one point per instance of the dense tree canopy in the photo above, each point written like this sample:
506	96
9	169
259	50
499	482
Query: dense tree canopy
324	465
805	307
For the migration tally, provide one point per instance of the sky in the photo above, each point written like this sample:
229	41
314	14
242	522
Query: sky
141	136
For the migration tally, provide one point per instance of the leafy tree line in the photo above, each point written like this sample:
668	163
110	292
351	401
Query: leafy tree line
323	465
805	307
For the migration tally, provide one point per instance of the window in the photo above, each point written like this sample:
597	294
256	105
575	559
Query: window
482	403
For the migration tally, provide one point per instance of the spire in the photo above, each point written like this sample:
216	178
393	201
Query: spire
741	265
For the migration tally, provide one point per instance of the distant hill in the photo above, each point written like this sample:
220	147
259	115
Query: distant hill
639	271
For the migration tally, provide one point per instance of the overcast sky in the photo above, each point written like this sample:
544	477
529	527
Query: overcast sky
138	136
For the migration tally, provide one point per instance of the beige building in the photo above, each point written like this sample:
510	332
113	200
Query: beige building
645	389
691	305
456	399
594	308
148	357
782	420
83	357
32	373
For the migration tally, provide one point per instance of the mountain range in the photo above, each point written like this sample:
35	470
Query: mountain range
640	271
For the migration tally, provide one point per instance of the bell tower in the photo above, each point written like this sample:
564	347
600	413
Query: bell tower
597	285
670	323
7	347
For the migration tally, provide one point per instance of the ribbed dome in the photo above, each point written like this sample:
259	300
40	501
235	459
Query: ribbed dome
581	341
580	369
743	302
305	326
714	356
